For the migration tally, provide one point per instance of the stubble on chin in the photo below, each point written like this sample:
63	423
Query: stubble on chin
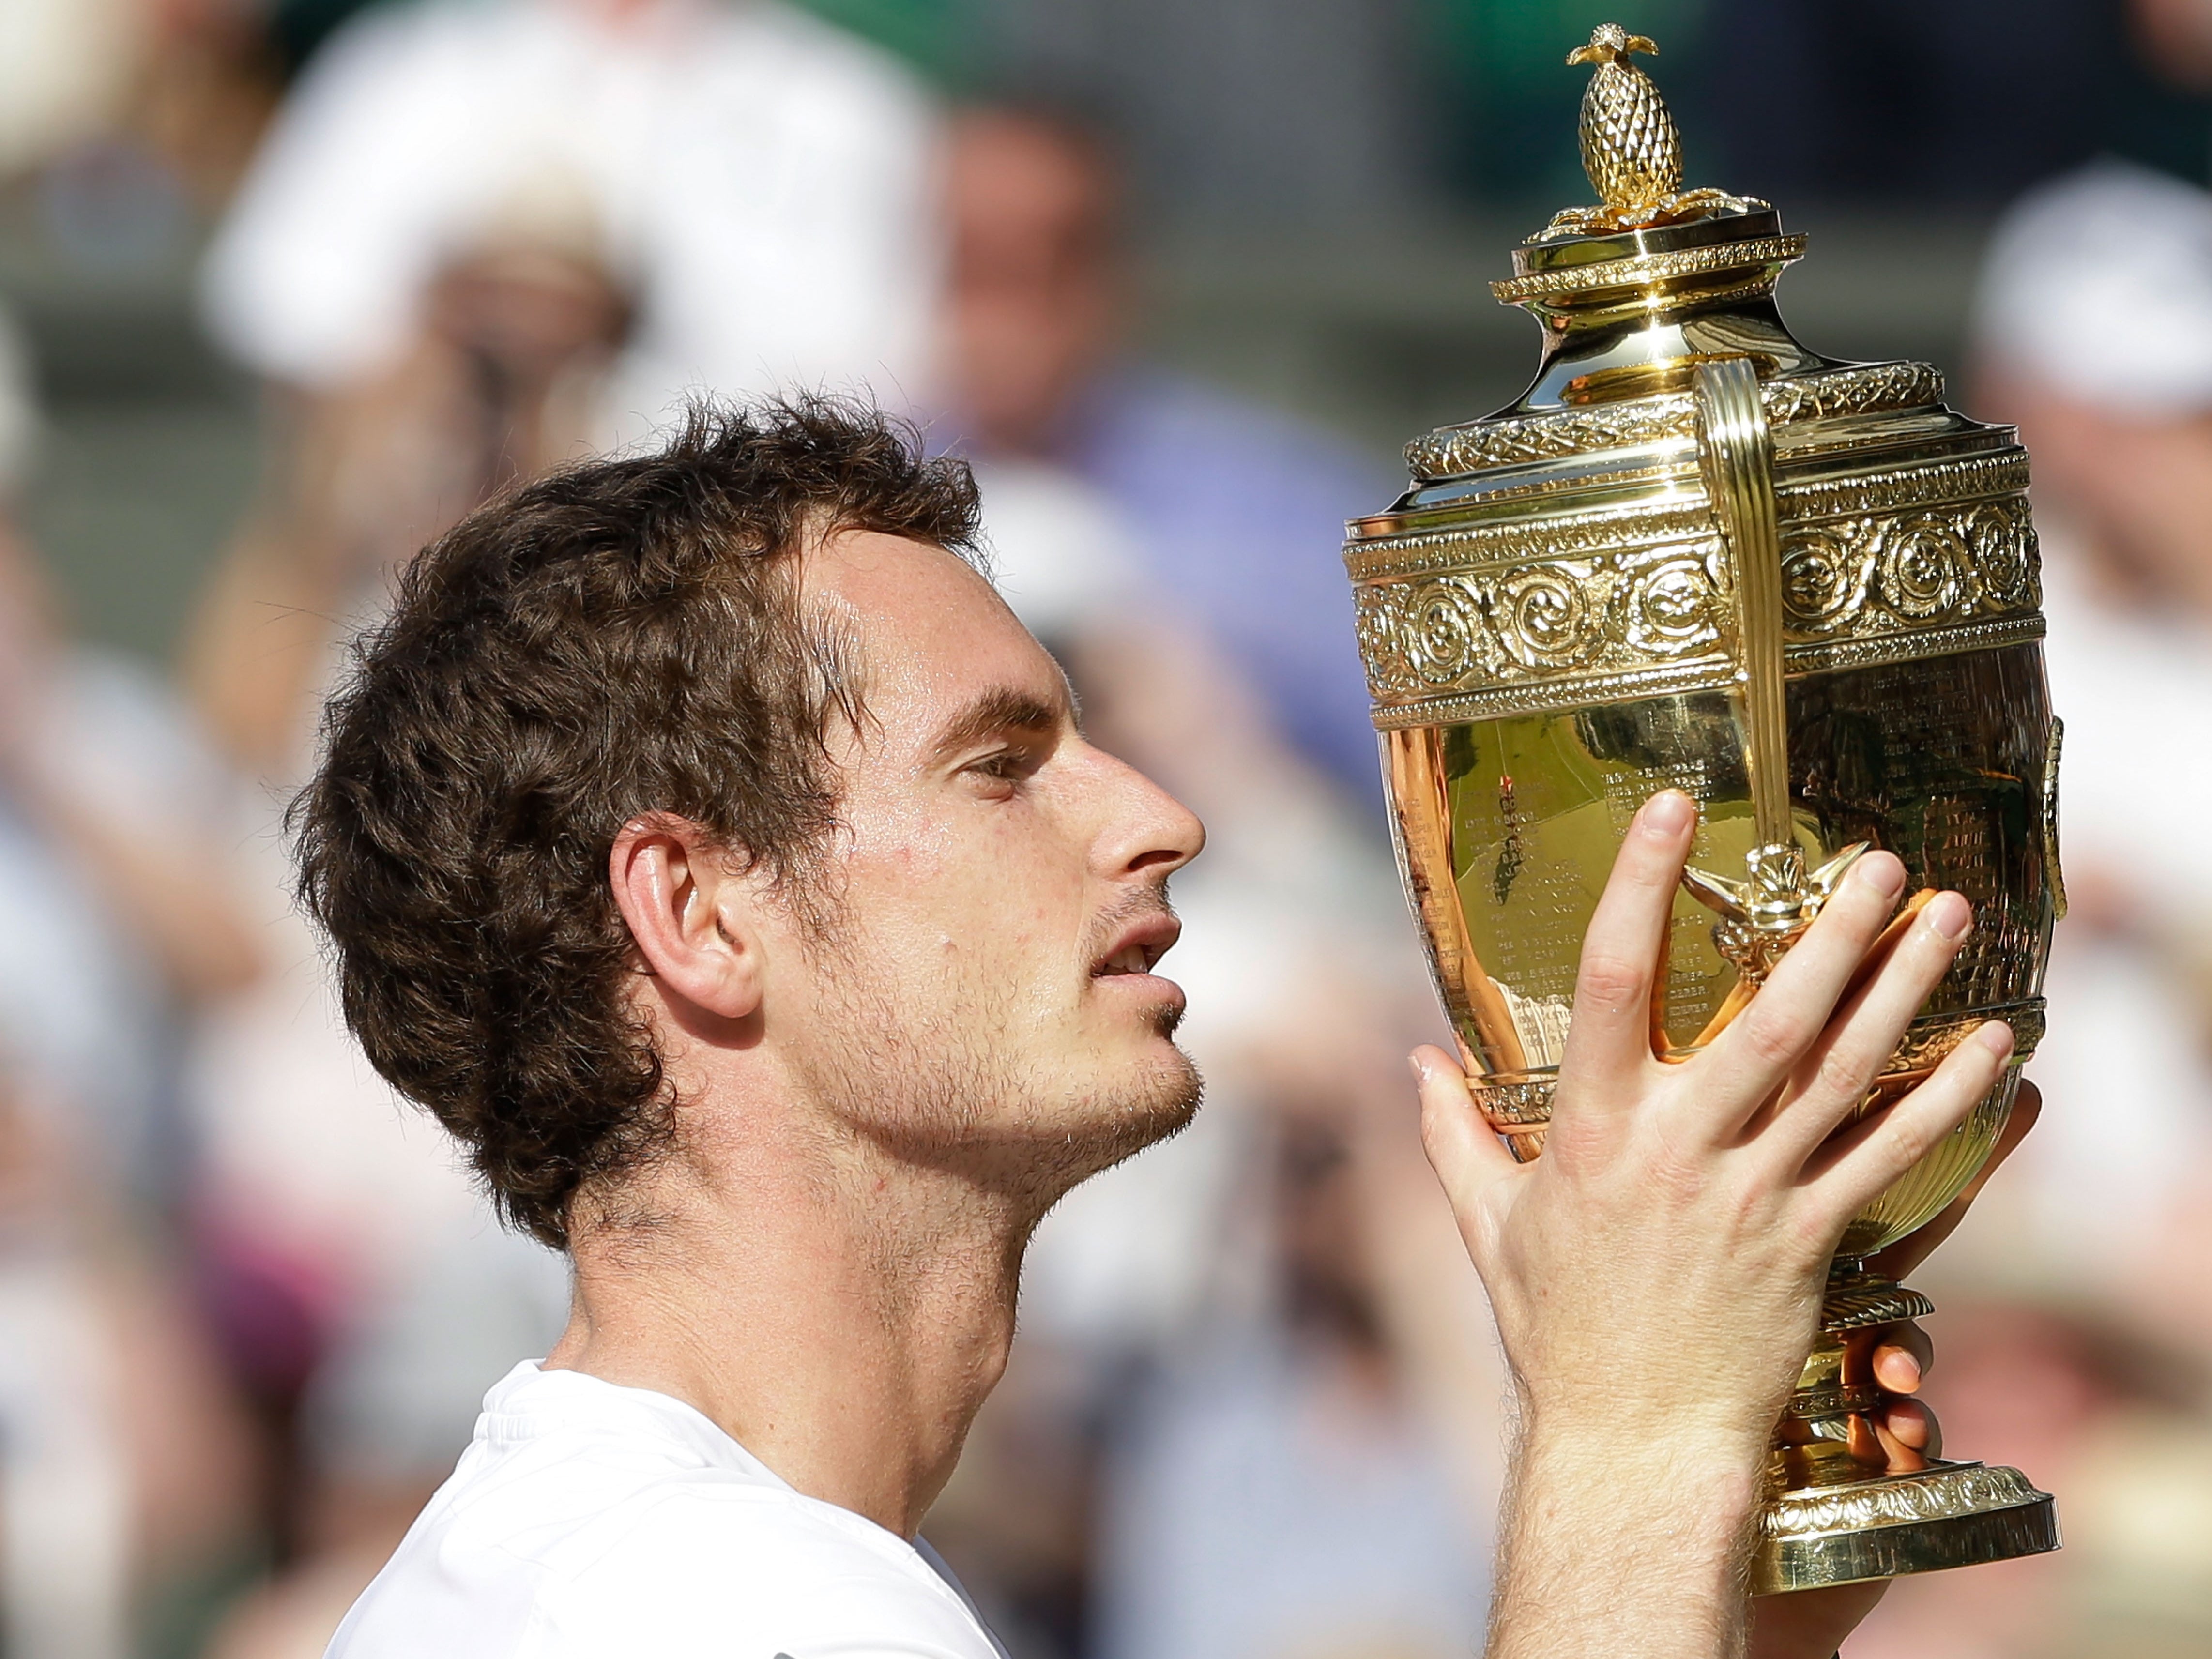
946	1094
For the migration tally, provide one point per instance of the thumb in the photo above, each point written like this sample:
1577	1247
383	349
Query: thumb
1461	1147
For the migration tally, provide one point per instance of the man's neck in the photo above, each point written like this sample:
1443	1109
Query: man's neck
842	1316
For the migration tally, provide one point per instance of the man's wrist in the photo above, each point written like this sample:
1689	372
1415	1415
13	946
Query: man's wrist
1623	1536
1706	1478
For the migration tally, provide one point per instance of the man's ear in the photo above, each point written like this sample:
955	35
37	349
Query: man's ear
689	914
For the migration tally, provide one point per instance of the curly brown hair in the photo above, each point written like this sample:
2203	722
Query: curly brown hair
623	637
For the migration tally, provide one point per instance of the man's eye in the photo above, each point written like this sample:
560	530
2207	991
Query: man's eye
1006	766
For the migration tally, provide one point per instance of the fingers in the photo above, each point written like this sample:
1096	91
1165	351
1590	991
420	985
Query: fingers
1907	1430
1910	1436
1754	1056
1609	1041
1879	952
1902	1359
1848	1171
1842	1065
1908	1252
1461	1147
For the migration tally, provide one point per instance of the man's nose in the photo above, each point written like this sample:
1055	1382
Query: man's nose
1147	830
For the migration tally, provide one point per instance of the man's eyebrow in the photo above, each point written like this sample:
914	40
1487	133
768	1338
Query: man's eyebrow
1002	708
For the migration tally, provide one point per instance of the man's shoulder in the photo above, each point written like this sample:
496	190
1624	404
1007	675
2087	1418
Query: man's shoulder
574	1547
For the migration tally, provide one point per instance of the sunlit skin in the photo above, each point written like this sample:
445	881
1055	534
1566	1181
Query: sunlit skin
872	1126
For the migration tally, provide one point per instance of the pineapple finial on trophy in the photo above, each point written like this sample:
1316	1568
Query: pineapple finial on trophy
1631	148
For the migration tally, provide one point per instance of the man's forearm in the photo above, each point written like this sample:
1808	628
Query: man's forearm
1620	1542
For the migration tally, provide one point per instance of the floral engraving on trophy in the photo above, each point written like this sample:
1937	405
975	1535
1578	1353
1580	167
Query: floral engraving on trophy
1521	617
2002	537
1865	574
1931	1040
1519	1111
1443	633
1537	622
1542	618
1924	569
1675	607
1448	453
1824	580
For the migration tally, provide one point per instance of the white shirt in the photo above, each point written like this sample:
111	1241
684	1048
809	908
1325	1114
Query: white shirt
763	180
591	1520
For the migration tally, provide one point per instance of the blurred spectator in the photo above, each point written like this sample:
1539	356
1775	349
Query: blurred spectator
136	117
121	1460
2106	363
2077	1308
760	183
501	380
2111	1419
111	815
2176	36
1278	1489
64	74
1236	512
126	1469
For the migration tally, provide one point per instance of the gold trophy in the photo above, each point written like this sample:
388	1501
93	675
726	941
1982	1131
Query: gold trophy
1696	553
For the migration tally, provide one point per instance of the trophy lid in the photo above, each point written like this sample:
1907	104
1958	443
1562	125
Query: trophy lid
1583	542
1635	292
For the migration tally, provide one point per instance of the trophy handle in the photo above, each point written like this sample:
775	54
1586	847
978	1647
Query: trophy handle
1736	453
1762	914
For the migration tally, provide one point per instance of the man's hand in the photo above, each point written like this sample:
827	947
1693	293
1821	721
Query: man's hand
1656	1275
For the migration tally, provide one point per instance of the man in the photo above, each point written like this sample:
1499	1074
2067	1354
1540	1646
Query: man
709	848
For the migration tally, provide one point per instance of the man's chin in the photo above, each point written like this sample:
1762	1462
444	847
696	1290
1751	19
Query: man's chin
1106	1125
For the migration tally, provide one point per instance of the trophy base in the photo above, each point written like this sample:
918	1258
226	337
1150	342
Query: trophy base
1949	1515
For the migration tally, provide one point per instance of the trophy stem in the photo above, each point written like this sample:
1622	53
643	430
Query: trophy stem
1834	1515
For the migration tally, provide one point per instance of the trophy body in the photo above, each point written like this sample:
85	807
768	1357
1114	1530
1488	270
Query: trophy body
1696	554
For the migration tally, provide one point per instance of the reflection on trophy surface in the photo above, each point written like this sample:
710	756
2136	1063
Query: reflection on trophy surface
1696	553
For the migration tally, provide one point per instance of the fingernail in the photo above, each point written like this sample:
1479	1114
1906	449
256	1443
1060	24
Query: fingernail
1420	1068
1668	813
1950	915
1996	1037
1883	874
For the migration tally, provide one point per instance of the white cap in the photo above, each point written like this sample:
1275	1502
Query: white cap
2100	283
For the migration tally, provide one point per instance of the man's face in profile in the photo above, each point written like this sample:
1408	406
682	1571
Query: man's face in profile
984	996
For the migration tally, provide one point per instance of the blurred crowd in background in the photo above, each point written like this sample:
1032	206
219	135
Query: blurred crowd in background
292	284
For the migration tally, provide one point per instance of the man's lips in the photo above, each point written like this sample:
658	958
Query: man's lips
1139	946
